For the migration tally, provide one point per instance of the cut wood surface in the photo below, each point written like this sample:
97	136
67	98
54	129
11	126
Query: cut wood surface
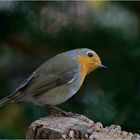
78	127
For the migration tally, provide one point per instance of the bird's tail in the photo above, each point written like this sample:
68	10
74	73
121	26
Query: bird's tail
8	99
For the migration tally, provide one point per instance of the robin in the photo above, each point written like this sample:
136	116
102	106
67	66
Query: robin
56	80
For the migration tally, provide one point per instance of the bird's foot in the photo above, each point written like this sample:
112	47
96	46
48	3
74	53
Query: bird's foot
70	114
79	116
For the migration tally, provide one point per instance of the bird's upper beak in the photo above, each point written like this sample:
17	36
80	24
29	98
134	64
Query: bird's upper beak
102	66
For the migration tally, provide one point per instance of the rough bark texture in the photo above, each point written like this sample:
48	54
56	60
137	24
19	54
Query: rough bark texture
76	128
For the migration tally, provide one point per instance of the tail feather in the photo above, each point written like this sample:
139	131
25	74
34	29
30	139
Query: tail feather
8	99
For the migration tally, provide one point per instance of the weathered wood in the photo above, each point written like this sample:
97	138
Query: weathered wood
76	128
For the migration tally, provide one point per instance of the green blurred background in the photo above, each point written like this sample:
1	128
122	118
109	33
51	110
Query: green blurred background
31	32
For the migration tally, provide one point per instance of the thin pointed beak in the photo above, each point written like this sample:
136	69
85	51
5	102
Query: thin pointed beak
103	66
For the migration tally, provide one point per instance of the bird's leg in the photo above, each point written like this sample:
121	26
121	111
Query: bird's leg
59	112
56	111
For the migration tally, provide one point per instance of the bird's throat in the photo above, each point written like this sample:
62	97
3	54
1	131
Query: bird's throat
83	69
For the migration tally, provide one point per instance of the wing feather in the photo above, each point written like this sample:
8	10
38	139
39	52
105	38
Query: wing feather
46	78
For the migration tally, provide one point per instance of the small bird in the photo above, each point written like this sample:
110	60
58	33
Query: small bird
56	80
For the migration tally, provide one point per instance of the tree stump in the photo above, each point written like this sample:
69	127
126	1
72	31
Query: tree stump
79	127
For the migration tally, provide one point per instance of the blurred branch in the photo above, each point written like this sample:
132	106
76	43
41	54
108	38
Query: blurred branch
75	128
27	47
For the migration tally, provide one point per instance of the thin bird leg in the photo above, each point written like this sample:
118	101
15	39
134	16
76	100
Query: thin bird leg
56	111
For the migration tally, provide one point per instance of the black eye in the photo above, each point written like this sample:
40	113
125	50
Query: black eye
90	54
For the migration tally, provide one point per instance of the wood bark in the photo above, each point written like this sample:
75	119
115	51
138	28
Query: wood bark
79	127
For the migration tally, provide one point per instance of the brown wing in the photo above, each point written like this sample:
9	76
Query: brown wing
36	85
42	84
53	73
